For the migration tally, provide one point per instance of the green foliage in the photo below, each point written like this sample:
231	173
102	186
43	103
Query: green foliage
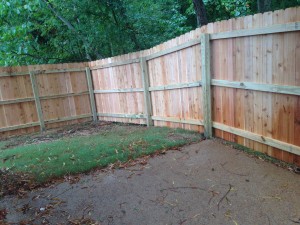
81	154
54	31
161	22
226	9
32	34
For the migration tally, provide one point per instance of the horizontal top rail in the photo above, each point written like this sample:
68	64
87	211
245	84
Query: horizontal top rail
279	28
121	63
14	74
174	49
38	72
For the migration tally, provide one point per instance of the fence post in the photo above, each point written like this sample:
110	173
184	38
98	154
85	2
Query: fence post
147	96
91	91
37	100
206	84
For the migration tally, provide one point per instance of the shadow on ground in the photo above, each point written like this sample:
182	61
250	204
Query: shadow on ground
204	183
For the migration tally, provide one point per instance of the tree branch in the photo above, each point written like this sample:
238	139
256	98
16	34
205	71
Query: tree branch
58	15
70	26
34	56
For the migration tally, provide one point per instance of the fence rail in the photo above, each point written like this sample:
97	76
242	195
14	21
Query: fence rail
37	72
176	86
238	78
125	90
290	90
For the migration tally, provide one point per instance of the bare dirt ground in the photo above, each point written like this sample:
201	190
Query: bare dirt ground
82	129
204	183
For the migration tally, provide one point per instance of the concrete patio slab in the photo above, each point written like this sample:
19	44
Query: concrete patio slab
204	183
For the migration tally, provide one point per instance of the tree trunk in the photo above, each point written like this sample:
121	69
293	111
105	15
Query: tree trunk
264	5
200	12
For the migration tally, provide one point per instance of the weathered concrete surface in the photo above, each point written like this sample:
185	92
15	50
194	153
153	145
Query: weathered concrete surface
190	186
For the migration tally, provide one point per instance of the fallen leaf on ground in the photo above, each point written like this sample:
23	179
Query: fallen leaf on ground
12	182
3	213
83	221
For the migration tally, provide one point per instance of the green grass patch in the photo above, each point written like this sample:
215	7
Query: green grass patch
3	144
82	153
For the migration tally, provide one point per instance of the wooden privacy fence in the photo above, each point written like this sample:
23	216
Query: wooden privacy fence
44	97
238	80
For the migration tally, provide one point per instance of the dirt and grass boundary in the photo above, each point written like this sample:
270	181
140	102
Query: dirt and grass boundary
36	160
30	161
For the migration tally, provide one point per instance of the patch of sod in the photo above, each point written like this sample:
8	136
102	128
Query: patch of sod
81	154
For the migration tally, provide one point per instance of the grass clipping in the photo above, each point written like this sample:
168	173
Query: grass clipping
15	183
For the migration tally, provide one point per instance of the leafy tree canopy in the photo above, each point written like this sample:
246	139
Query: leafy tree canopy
55	31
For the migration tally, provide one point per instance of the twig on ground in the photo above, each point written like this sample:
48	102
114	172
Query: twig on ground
85	209
224	196
177	188
213	194
63	192
137	174
295	221
182	222
239	174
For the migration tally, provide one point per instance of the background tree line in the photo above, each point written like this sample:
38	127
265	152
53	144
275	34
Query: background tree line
55	31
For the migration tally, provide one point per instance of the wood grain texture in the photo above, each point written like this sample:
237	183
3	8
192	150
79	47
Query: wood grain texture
206	84
288	148
16	114
263	63
119	88
175	82
278	28
37	100
91	92
258	86
147	96
55	91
